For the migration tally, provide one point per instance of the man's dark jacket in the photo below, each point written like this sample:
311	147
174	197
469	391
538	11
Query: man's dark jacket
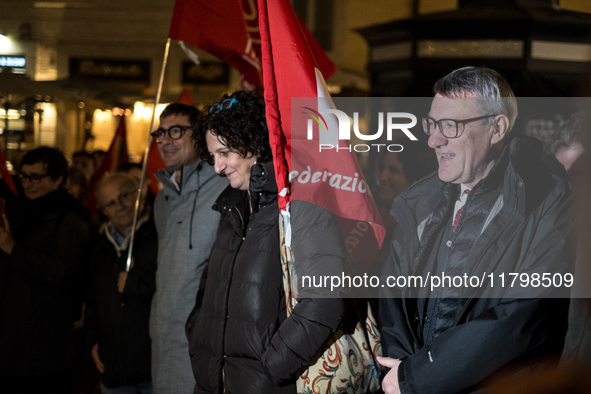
119	323
240	339
516	220
37	284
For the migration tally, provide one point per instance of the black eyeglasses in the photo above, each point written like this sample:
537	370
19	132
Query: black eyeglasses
35	179
123	197
227	103
174	132
450	128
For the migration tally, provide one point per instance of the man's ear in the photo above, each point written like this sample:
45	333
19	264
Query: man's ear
500	128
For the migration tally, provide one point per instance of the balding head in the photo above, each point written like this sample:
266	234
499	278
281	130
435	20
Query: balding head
116	194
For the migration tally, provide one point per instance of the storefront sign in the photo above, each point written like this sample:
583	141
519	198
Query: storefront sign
206	73
130	70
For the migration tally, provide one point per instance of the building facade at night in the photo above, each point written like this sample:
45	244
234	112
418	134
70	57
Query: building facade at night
70	67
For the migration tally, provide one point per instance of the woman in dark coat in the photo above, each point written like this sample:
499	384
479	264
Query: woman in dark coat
241	340
43	243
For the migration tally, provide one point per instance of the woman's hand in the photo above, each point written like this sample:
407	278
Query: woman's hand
6	240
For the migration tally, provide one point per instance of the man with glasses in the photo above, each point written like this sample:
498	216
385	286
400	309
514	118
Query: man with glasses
497	205
187	228
118	302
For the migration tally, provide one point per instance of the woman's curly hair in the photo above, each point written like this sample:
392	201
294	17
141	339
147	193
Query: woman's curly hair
242	127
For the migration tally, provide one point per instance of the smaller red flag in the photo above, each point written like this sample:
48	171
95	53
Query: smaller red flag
154	164
5	174
116	155
229	30
186	98
218	27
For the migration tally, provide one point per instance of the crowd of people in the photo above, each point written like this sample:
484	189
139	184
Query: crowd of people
201	306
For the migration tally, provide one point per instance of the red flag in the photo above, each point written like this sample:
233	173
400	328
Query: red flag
116	155
155	162
291	71
186	98
325	64
229	29
219	28
5	174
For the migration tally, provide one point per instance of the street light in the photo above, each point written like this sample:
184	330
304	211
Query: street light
4	42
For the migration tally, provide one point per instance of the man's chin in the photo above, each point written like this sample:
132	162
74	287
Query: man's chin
445	176
173	166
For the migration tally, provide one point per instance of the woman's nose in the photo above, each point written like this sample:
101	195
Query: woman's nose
219	165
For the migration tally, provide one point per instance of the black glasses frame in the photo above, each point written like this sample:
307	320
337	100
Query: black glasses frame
426	122
35	179
159	133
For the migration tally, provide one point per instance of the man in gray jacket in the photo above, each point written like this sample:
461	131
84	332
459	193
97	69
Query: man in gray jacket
186	227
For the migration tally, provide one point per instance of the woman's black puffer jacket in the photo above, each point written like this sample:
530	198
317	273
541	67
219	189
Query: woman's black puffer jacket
241	303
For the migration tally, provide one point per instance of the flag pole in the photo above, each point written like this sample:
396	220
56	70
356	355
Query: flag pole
146	153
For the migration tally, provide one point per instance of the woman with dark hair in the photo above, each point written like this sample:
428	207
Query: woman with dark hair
240	338
42	241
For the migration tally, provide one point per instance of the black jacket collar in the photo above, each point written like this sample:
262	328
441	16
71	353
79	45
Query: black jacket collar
262	187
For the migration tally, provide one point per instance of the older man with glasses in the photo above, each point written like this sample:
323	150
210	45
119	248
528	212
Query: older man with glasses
118	302
498	205
187	228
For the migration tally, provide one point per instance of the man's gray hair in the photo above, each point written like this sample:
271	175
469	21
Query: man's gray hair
493	91
126	181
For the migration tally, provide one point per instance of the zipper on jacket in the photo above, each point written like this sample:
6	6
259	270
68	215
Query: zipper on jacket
224	357
241	219
416	264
